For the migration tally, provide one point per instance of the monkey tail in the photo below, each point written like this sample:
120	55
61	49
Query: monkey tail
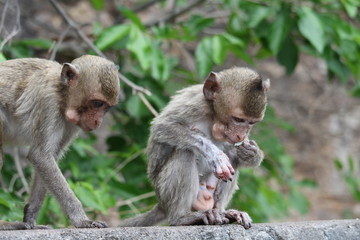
150	218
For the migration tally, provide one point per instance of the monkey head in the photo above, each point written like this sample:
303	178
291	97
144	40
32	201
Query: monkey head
93	87
238	98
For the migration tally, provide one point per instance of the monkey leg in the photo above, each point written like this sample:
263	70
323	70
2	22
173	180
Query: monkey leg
240	217
36	199
51	176
150	218
13	226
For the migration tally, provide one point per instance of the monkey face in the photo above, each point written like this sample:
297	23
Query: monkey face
235	128
89	116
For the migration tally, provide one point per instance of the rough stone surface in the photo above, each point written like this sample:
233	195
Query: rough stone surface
319	230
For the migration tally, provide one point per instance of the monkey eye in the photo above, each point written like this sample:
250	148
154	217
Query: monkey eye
238	120
252	123
98	103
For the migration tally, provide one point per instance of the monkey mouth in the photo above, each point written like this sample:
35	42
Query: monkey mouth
86	128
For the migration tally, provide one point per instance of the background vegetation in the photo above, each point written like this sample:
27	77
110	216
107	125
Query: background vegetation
177	48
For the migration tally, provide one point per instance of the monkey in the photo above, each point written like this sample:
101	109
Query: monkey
44	104
196	146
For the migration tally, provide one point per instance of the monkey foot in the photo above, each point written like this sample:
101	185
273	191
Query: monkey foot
14	226
41	227
90	224
241	218
213	217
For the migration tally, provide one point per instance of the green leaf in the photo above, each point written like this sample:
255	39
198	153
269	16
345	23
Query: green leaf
35	42
351	164
112	35
338	68
351	7
135	107
89	196
338	164
218	49
139	45
356	92
197	23
2	57
311	28
288	55
234	24
4	202
203	57
278	32
132	17
98	4
259	14
233	40
299	201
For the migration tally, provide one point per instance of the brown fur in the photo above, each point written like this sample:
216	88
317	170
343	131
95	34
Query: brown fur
43	104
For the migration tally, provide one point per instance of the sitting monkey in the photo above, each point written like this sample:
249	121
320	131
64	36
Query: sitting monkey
198	143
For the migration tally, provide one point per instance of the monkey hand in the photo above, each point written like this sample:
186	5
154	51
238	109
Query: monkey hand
249	154
90	224
222	166
240	217
214	156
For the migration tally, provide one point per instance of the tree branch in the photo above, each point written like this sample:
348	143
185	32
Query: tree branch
136	9
175	14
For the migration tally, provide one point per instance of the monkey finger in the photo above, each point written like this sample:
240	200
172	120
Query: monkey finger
205	219
227	172
231	169
235	215
246	220
220	174
218	217
90	224
210	217
253	143
225	220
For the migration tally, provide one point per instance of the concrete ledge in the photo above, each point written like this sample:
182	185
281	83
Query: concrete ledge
318	230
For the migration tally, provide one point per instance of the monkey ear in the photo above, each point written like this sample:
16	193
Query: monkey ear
266	84
69	74
211	86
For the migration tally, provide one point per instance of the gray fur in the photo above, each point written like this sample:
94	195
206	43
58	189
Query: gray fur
181	150
33	99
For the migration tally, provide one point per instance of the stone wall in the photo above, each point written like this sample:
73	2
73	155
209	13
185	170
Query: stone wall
319	230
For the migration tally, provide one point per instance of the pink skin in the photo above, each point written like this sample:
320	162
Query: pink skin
205	198
88	117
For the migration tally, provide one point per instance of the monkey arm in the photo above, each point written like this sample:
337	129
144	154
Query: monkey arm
50	175
181	137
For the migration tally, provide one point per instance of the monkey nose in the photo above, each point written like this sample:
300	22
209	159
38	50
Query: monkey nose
240	138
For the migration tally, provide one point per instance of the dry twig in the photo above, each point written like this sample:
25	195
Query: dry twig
135	199
10	8
176	13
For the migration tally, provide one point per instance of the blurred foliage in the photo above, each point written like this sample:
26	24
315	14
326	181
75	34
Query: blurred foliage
350	174
149	56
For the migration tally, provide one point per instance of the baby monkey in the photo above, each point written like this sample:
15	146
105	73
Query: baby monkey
198	143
